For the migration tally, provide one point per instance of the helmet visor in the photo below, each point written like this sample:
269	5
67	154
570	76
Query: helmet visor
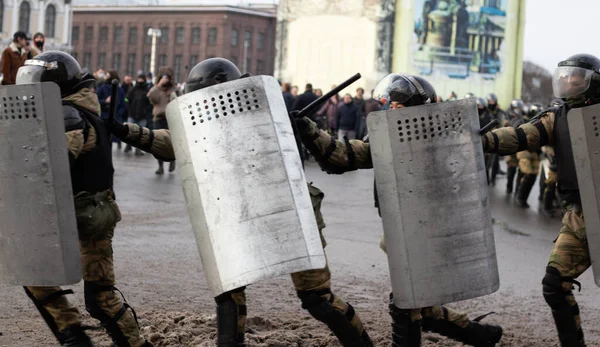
29	74
396	88
570	81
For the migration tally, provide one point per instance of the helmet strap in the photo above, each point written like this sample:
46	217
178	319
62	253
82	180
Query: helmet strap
419	88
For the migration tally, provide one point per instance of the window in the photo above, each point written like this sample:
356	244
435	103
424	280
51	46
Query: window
195	35
50	21
234	60
260	67
101	60
146	63
234	37
133	35
193	61
1	14
261	41
118	35
148	39
24	13
89	33
164	35
75	34
177	67
248	39
180	35
162	60
130	63
87	59
247	67
212	36
117	61
103	34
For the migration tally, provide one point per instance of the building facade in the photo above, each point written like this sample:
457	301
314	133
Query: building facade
116	37
51	17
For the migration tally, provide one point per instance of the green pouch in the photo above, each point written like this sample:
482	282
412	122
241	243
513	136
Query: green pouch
97	215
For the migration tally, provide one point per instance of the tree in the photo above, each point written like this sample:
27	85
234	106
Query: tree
537	84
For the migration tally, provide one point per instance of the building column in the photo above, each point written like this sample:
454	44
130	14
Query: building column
66	38
15	21
42	18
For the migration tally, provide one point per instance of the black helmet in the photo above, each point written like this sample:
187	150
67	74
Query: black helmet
577	80
517	104
482	103
469	95
407	90
535	108
491	97
210	72
54	66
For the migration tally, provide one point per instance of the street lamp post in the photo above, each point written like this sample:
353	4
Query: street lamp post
154	33
245	62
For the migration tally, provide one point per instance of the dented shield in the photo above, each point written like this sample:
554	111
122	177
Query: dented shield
38	233
432	189
244	183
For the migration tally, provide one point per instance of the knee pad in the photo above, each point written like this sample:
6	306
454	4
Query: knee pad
553	290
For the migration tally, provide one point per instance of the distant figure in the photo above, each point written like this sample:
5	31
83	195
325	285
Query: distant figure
13	57
348	119
305	99
287	96
38	44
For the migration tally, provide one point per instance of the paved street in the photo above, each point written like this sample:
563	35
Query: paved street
159	271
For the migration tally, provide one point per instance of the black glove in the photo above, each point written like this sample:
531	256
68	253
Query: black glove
117	128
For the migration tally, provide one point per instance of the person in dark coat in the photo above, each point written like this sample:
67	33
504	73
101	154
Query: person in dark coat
348	119
305	99
103	92
138	106
286	89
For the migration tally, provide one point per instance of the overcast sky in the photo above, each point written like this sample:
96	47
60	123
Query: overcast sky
557	29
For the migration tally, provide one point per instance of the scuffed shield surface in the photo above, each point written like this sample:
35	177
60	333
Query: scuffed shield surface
585	139
429	170
244	183
38	229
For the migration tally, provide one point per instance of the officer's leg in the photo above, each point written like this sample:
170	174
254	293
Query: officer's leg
314	290
569	259
101	298
550	191
455	325
406	326
529	168
510	175
231	318
62	317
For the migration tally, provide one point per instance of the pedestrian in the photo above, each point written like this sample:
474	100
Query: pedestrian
14	56
103	91
97	213
359	101
576	81
452	97
127	84
305	99
340	156
294	91
149	80
348	119
313	286
371	105
318	93
329	112
38	44
139	107
160	95
287	96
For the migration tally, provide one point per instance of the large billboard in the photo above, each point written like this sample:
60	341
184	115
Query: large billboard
462	46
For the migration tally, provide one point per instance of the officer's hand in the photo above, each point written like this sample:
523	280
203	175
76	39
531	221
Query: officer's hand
117	128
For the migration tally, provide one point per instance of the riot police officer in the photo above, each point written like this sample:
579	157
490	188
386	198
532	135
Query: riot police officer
497	113
337	157
313	286
515	118
484	119
89	150
529	162
577	81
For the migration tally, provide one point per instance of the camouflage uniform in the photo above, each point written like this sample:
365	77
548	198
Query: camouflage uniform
97	215
570	256
306	283
548	185
337	157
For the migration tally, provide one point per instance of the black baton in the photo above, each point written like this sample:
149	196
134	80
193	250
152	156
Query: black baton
321	100
489	127
112	110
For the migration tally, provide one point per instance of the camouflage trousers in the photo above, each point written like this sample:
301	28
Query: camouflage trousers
529	163
435	312
96	223
512	161
571	256
310	280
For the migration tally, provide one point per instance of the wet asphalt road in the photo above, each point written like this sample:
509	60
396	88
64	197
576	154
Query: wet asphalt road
158	268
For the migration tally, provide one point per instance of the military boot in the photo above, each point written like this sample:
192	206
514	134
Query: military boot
510	179
161	169
475	334
74	336
405	332
524	189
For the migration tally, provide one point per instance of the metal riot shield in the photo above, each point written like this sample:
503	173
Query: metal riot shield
38	230
585	139
244	183
432	189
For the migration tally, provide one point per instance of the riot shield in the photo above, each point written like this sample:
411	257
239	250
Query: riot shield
38	233
244	183
585	139
432	189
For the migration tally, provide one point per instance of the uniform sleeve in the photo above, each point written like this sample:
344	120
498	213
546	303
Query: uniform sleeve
528	136
335	156
156	142
80	141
